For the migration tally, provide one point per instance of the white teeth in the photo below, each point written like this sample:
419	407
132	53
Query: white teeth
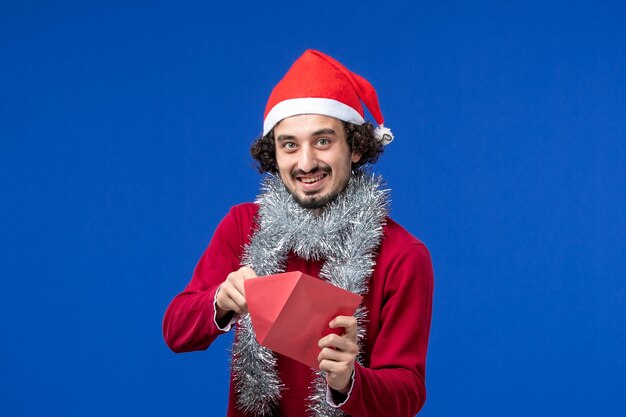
311	180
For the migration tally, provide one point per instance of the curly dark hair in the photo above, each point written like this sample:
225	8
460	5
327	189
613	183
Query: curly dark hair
360	138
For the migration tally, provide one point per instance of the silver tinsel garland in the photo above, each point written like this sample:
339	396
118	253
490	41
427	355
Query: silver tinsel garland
345	234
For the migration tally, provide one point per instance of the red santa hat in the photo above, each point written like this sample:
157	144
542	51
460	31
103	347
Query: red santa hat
319	84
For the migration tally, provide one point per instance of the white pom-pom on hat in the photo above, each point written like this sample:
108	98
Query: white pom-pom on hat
383	134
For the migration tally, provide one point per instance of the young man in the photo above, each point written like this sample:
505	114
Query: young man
321	214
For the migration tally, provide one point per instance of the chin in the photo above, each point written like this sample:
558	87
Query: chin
314	202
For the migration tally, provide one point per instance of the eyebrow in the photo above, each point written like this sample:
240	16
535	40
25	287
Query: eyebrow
325	131
283	138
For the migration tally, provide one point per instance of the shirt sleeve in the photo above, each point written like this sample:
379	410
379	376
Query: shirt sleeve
189	322
330	393
232	318
394	381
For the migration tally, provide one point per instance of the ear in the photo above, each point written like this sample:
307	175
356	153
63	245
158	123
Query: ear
356	157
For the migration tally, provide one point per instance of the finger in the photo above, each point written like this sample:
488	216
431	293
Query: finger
348	323
237	282
342	343
231	306
231	299
240	301
238	277
333	369
327	366
328	341
334	355
247	272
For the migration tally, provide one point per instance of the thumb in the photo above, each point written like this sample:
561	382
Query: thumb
247	272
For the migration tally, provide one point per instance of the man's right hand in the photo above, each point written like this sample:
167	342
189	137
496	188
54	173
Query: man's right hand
231	295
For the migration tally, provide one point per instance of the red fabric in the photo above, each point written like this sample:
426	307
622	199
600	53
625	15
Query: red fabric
318	75
399	304
314	75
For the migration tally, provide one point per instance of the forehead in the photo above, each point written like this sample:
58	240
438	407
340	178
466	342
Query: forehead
307	125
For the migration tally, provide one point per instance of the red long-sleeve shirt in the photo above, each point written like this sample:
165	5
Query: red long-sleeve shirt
398	303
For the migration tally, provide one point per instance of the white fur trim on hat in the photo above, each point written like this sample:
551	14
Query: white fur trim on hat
311	105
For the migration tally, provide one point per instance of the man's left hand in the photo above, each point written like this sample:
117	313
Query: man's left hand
339	353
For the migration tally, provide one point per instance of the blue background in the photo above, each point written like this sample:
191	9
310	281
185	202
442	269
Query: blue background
125	128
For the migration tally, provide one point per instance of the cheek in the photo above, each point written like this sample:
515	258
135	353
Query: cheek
281	163
284	168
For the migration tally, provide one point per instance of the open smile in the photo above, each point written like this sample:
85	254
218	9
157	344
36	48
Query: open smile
311	180
312	183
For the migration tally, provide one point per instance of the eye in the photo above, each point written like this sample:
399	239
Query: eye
289	146
323	142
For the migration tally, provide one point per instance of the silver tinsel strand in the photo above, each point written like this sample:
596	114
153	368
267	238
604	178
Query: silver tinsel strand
346	234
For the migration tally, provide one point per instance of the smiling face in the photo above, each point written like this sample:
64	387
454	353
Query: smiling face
313	158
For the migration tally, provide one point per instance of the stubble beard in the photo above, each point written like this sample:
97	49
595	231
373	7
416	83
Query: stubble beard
315	203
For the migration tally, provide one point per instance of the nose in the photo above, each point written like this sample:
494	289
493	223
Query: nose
308	159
